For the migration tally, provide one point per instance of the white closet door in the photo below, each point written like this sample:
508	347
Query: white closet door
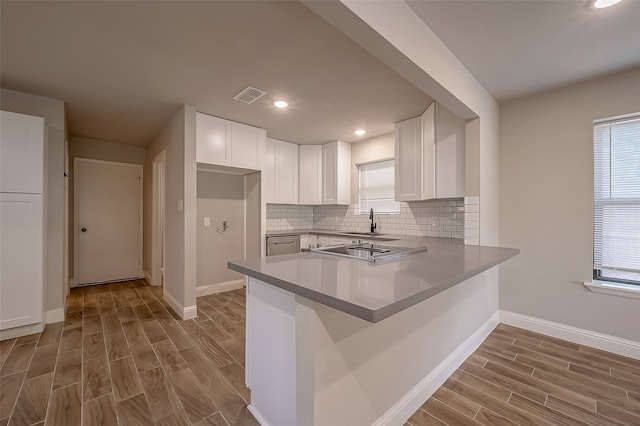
108	201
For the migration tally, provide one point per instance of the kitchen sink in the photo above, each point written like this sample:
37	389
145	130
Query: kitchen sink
368	252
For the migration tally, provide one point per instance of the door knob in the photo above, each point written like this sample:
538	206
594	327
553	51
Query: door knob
84	229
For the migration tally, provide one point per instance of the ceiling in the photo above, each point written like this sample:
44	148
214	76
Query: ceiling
123	68
520	47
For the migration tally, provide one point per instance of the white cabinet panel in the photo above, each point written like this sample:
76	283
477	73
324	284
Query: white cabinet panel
429	161
226	143
334	241
269	172
247	146
21	259
280	172
287	173
408	159
213	140
336	173
310	182
21	153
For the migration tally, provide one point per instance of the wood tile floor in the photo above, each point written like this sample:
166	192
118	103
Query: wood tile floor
122	357
525	378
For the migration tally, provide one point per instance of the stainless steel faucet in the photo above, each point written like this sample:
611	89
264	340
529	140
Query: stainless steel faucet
373	224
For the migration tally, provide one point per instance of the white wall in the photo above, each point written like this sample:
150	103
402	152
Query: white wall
52	110
546	192
177	138
220	197
97	150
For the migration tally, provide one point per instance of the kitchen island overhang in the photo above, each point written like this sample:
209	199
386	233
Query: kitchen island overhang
375	291
339	341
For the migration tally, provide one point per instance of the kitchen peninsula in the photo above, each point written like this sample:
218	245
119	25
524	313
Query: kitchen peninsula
332	340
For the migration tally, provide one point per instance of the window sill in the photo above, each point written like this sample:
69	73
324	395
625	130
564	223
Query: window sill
614	289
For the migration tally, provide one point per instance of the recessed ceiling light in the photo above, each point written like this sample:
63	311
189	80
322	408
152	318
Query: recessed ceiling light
281	104
360	132
601	4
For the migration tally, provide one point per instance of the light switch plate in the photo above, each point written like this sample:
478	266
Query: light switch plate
207	221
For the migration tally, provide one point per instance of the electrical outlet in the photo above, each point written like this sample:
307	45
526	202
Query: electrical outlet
207	221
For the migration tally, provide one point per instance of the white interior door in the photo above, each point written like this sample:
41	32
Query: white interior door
108	204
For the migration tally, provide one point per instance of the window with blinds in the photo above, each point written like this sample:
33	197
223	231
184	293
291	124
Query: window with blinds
377	187
616	200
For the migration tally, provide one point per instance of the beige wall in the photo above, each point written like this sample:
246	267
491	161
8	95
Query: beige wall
546	193
220	197
52	110
96	150
379	148
177	139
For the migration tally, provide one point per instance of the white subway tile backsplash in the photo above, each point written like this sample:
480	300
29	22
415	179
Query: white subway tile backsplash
471	220
437	218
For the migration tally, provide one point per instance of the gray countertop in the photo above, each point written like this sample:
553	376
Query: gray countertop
375	291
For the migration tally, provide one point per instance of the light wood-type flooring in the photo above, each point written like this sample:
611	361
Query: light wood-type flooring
122	357
520	377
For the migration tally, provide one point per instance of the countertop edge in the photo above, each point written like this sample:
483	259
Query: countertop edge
371	315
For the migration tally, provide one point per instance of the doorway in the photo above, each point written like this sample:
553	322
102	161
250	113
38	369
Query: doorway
108	221
157	220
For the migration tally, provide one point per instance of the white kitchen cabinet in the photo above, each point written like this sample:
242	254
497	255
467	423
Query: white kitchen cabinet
227	143
336	173
247	146
280	172
310	182
22	221
22	260
213	140
323	240
429	160
334	241
21	153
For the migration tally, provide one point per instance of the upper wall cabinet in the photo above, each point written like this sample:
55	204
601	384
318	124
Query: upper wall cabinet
226	143
280	172
21	153
336	173
310	183
429	160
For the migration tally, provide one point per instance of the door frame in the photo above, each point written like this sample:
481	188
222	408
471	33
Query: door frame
158	218
76	209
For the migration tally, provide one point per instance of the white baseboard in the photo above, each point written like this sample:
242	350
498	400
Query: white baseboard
54	315
24	330
580	336
185	312
409	404
205	290
257	415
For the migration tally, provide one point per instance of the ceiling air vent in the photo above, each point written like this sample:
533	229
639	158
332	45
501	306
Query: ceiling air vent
249	95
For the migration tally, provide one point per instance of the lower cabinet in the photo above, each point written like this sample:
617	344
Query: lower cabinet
22	259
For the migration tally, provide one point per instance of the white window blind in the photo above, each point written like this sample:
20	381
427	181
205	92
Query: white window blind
377	187
616	209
